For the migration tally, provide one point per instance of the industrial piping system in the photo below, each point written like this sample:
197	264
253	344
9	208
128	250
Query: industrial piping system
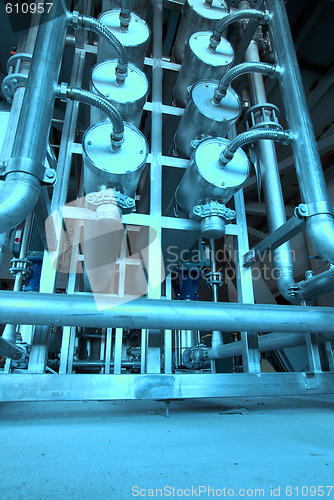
134	229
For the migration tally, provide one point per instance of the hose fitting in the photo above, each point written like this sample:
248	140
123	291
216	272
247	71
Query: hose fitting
283	136
75	94
254	14
125	15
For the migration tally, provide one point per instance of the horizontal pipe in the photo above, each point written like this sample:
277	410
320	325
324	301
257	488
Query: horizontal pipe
82	363
80	310
270	342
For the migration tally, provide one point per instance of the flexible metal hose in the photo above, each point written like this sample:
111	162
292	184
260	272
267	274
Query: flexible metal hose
92	24
242	69
257	15
84	96
284	136
125	15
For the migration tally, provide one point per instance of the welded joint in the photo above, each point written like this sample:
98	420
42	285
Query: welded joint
310	380
314	208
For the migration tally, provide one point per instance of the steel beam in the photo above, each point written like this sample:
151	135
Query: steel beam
78	387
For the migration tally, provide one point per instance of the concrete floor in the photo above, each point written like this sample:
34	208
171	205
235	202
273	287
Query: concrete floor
100	450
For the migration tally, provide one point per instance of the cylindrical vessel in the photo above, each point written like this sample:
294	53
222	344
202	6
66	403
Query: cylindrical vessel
139	7
128	99
135	39
204	180
104	168
202	118
200	64
196	17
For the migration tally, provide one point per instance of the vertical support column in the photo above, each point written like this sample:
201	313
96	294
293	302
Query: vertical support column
118	351
168	333
65	344
153	352
313	354
250	347
39	349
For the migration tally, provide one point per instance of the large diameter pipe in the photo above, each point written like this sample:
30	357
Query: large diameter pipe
22	184
270	342
308	165
80	310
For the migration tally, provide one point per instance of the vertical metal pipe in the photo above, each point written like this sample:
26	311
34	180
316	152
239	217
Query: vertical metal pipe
271	185
22	185
308	165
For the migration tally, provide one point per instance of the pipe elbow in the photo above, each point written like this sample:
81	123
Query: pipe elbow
286	285
320	228
18	197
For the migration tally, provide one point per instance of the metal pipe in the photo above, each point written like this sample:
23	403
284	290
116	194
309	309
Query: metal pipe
231	18
313	288
283	136
270	342
80	310
272	189
4	240
242	69
86	97
92	24
25	167
311	179
99	364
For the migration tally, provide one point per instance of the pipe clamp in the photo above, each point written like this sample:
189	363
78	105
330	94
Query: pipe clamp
29	166
314	208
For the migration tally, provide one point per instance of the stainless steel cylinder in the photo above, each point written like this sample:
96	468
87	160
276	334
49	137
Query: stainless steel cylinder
202	118
200	64
196	17
104	168
205	180
135	39
139	7
128	99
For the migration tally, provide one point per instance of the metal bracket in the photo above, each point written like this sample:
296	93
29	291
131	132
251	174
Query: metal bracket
310	380
17	75
213	208
315	208
284	233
